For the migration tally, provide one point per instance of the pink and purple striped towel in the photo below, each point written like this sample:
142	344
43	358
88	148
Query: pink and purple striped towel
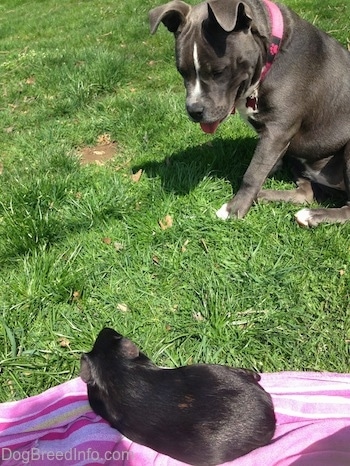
58	427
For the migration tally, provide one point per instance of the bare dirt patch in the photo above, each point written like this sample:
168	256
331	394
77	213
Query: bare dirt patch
104	150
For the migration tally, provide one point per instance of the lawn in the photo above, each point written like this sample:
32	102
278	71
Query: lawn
131	241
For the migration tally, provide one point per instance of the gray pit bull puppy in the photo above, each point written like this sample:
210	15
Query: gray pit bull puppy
287	78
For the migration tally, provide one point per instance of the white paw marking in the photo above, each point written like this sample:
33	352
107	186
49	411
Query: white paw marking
303	217
223	212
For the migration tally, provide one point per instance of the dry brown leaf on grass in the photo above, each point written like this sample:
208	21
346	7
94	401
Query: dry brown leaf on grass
204	244
123	307
116	244
135	177
198	316
30	81
76	295
9	384
184	246
166	222
64	342
103	139
155	260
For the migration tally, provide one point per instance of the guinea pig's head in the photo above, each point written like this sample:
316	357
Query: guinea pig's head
110	354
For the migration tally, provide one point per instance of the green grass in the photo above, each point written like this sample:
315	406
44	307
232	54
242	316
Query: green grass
81	246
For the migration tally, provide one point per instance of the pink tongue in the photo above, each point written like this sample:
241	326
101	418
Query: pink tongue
210	127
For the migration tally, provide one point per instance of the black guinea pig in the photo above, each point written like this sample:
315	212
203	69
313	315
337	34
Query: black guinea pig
202	414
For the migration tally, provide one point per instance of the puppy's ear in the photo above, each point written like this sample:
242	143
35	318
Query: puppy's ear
128	349
230	15
172	15
85	368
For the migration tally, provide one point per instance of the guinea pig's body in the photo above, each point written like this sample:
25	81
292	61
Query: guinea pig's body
201	414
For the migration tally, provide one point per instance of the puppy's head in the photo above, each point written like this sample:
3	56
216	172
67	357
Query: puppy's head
216	54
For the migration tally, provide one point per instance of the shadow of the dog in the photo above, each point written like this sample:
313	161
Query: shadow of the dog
227	159
182	171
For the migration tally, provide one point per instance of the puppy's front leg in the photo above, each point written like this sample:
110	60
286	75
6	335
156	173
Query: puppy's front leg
267	153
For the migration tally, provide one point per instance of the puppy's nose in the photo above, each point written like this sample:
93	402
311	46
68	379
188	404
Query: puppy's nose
196	111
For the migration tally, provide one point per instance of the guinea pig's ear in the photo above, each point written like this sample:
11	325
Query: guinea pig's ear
128	349
85	368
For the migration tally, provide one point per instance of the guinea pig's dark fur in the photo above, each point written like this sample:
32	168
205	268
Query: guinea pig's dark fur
200	414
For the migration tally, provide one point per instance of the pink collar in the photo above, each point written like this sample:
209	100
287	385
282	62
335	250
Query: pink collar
276	20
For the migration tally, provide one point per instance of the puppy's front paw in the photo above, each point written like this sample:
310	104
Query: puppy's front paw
313	217
223	213
303	217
